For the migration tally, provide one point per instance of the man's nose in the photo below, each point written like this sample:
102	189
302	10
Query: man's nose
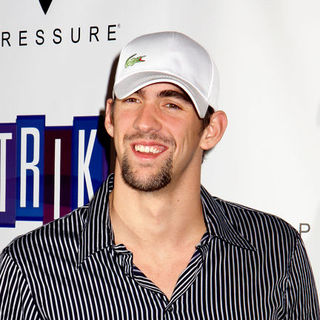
147	119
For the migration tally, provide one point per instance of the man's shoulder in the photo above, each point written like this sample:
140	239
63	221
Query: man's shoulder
257	226
51	239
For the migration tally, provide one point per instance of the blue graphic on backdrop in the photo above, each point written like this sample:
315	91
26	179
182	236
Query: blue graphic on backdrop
47	171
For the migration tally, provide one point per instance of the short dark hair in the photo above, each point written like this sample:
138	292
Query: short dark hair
205	123
206	118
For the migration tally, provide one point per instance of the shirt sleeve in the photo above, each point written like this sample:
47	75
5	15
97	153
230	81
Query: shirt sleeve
301	295
16	301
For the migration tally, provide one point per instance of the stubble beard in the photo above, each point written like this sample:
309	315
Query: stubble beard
151	183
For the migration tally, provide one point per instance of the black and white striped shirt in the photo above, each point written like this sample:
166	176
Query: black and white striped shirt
249	265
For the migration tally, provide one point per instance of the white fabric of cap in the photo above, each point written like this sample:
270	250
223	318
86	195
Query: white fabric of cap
168	57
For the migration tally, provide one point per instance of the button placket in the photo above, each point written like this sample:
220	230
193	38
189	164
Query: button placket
169	308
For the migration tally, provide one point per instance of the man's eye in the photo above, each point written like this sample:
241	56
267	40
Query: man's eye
172	106
131	100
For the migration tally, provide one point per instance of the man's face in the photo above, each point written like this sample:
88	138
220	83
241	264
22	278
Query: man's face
156	133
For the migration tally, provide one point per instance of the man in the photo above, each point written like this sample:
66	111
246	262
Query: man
153	243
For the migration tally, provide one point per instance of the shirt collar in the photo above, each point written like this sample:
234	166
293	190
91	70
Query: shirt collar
218	224
97	233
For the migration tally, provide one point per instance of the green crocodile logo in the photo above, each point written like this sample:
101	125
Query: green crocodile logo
133	60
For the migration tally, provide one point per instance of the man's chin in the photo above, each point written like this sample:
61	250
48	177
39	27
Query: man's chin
146	179
151	184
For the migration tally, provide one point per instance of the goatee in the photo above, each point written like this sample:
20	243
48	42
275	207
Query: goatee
153	183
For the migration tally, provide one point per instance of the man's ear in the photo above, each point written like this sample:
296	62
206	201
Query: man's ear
108	121
214	131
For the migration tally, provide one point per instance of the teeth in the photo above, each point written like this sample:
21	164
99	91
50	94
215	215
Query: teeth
146	149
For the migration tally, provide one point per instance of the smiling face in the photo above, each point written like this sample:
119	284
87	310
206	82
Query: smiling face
156	133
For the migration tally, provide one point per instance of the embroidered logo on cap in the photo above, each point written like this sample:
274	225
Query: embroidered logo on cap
133	60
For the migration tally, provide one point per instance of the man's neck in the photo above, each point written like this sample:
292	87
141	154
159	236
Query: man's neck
161	218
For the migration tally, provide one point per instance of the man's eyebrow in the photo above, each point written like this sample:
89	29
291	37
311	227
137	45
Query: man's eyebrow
139	92
169	93
175	94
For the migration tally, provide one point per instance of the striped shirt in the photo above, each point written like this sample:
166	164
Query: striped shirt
248	265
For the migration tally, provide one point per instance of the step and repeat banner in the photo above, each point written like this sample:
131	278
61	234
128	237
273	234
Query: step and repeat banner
56	62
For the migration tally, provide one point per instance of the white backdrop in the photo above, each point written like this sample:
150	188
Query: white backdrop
267	53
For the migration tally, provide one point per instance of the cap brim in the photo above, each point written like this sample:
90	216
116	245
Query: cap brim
132	83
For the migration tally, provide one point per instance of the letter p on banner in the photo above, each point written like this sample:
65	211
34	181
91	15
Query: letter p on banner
304	228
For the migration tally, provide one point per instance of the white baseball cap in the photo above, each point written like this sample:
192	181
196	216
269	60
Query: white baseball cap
168	57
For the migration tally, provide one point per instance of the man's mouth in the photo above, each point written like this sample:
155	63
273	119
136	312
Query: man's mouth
154	149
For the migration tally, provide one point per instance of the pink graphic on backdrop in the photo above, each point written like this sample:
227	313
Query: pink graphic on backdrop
7	175
57	195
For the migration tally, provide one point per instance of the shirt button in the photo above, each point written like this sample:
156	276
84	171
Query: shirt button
170	309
